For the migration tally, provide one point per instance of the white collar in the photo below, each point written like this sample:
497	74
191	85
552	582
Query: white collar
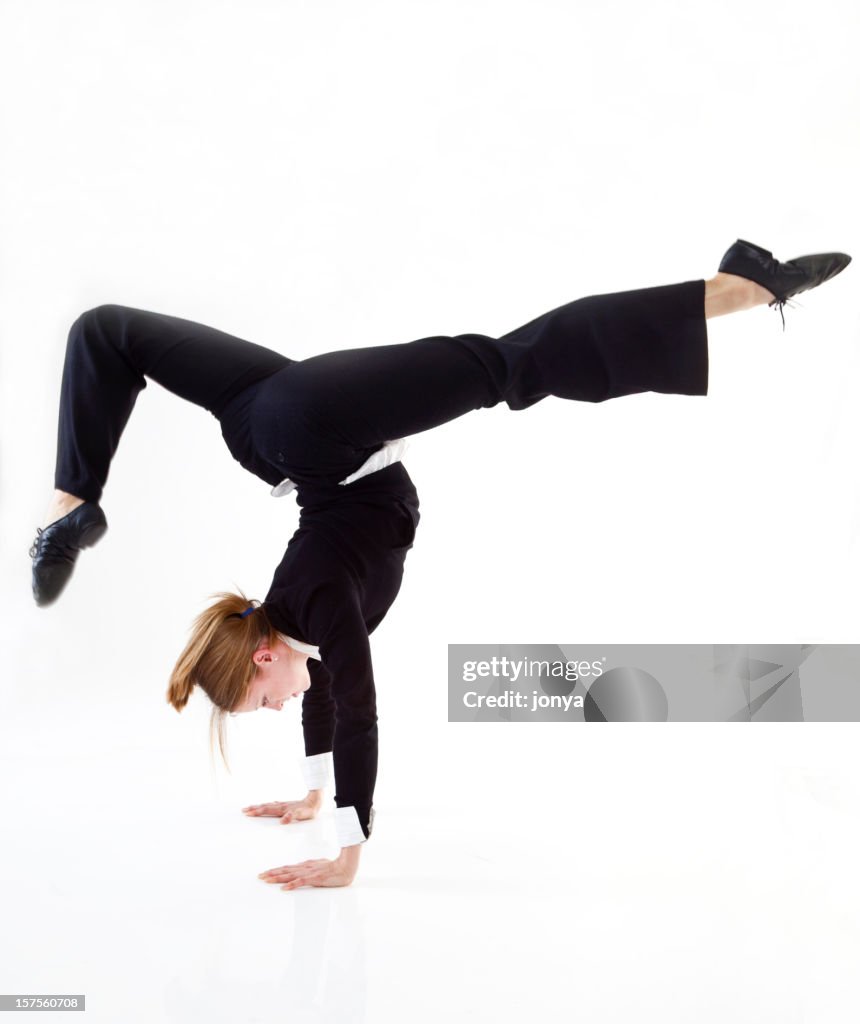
300	645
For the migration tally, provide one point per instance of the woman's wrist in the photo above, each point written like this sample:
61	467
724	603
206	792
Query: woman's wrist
314	797
349	856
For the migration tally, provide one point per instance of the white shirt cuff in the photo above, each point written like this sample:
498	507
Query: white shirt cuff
318	770
348	827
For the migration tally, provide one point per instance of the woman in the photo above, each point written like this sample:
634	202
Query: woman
328	426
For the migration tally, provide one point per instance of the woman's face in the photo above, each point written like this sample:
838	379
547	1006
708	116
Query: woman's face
282	673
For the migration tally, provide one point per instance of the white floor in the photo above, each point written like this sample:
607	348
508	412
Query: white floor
549	872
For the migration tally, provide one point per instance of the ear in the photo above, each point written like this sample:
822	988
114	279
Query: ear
261	655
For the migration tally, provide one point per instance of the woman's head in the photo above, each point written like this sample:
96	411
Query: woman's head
219	657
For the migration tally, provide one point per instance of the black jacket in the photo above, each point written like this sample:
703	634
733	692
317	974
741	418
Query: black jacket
340	574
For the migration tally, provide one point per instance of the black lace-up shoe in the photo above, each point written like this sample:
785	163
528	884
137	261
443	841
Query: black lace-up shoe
782	279
56	547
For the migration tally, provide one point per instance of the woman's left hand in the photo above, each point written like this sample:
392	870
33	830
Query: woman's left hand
322	872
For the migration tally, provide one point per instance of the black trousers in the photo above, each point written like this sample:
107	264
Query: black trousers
316	420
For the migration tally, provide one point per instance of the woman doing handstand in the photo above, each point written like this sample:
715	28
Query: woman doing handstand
330	426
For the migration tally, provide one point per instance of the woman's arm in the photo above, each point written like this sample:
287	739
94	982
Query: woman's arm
331	617
345	648
318	710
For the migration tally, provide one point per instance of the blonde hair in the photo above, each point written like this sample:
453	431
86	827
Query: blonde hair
217	658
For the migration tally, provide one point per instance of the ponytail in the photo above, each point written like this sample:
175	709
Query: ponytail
218	658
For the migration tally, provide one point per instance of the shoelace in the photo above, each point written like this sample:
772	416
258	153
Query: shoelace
49	545
779	303
35	545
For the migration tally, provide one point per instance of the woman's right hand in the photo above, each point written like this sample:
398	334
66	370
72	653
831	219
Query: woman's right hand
288	810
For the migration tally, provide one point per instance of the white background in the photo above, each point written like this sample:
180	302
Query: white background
315	176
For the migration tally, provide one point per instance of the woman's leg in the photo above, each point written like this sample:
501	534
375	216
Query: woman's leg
593	349
110	351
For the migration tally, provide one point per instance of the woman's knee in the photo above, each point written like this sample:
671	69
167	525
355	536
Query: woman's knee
106	312
93	323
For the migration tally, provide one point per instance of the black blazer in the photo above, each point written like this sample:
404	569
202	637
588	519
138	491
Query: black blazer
341	572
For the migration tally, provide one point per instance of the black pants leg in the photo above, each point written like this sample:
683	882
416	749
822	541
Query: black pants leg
110	351
318	419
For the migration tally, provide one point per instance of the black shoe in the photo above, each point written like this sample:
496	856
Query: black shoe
782	279
56	548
